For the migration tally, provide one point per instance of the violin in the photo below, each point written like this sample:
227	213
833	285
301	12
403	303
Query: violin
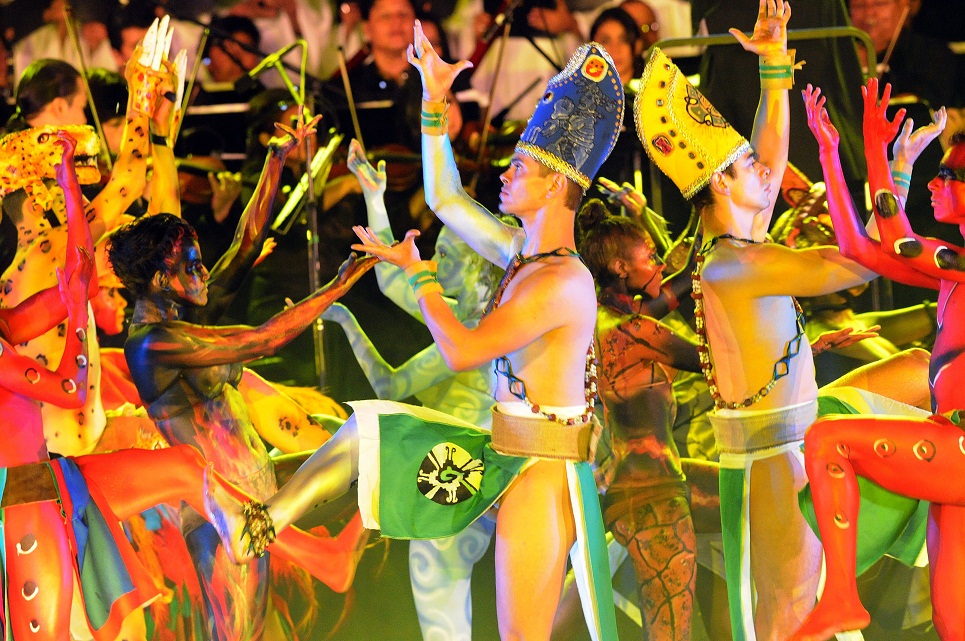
193	178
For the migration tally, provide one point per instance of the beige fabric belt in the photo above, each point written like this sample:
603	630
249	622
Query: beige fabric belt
762	430
541	437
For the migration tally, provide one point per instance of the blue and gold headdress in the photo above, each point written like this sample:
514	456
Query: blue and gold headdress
577	121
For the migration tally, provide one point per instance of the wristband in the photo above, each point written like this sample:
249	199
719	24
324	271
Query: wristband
435	117
901	179
422	278
777	70
159	140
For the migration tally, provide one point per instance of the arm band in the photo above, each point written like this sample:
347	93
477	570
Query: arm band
422	278
435	117
777	70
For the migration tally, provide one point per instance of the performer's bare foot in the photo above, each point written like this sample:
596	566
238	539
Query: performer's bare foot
831	616
227	516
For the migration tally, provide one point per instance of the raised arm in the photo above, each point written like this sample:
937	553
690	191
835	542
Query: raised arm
65	386
163	194
772	123
422	371
392	281
445	195
232	268
853	239
185	344
42	311
908	146
128	178
933	257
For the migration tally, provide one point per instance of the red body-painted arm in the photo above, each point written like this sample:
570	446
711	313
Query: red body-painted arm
853	239
931	256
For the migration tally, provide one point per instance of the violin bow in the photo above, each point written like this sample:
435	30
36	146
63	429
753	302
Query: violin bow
349	98
75	41
488	115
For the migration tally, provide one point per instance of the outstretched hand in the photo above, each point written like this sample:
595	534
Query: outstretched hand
290	137
770	31
373	180
843	337
624	194
911	142
437	74
878	129
818	120
401	254
351	270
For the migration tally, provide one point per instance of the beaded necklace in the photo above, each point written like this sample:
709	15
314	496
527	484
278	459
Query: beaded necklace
781	368
505	368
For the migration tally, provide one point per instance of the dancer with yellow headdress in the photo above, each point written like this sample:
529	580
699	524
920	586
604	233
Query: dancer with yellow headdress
753	351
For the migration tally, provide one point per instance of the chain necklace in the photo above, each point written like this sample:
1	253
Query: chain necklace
781	368
505	368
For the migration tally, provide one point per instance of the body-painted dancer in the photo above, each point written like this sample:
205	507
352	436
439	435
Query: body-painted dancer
647	504
44	553
437	475
187	374
440	570
916	458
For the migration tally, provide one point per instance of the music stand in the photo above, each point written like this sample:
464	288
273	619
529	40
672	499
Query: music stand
320	167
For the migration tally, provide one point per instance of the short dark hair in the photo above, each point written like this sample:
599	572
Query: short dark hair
136	13
705	197
230	25
365	7
109	91
149	245
574	193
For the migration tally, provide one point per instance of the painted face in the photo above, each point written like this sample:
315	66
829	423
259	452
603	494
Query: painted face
188	277
749	188
948	187
455	259
644	270
109	308
524	190
616	41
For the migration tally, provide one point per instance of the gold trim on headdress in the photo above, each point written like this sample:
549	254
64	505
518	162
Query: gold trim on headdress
553	163
575	125
684	135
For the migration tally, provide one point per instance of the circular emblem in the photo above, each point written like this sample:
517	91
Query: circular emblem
449	474
594	68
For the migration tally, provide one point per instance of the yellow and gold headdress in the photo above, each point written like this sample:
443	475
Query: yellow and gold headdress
682	132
